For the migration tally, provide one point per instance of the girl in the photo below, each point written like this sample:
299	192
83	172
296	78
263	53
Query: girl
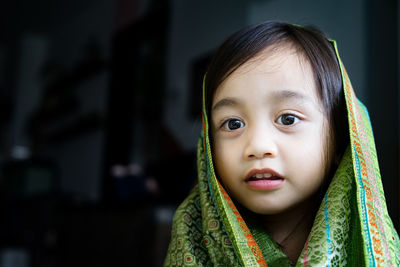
287	166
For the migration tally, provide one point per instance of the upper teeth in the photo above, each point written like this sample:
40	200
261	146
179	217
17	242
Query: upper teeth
262	175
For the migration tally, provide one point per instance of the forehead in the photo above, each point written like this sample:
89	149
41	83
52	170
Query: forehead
277	68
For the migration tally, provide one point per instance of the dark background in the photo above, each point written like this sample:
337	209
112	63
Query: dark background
99	115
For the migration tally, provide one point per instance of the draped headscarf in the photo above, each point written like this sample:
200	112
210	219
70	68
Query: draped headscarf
352	226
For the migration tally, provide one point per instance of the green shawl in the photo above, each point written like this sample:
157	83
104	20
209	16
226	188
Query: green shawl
352	226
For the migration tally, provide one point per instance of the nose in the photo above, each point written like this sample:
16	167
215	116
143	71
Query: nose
261	143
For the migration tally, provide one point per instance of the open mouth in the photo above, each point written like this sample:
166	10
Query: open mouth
264	179
263	174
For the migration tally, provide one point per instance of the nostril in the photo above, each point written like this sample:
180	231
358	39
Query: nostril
260	149
261	155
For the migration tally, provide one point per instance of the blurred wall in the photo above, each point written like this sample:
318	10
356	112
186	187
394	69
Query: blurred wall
196	28
57	37
80	158
383	93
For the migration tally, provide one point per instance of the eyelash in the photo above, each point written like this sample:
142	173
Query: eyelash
225	126
288	114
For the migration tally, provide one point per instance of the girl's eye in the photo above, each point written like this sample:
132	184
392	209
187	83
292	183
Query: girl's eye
233	124
287	119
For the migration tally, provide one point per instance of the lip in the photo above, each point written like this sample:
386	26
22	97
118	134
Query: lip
274	182
253	172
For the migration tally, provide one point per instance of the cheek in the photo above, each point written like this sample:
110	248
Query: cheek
225	156
307	152
221	153
318	155
316	142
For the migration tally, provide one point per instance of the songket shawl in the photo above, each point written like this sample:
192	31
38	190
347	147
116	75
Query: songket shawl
351	228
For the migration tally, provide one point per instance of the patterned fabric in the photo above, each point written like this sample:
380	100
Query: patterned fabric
352	226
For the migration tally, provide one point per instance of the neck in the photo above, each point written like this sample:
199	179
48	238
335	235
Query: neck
291	228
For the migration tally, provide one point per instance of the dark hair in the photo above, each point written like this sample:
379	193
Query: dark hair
312	43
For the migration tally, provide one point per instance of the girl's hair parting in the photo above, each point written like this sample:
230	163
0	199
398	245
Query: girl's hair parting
249	42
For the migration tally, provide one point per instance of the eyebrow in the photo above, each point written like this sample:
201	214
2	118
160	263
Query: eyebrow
226	102
288	94
278	96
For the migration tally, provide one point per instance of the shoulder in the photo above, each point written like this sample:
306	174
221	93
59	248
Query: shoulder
186	246
198	237
187	218
190	206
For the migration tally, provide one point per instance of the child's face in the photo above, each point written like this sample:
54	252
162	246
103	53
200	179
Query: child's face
267	121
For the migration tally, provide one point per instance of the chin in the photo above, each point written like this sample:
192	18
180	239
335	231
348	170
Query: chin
265	210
